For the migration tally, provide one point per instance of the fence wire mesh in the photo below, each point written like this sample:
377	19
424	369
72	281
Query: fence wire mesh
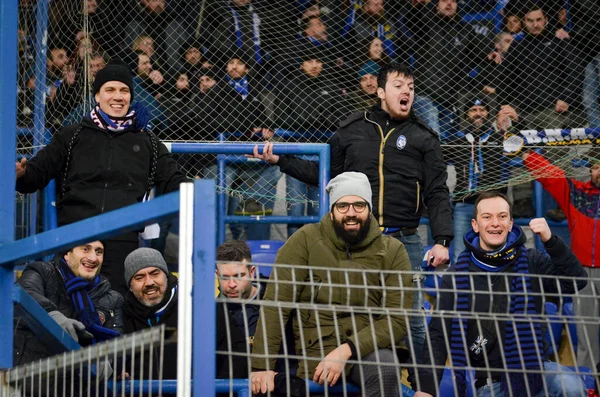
98	370
291	71
303	320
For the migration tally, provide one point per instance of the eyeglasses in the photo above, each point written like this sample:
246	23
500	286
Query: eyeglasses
359	206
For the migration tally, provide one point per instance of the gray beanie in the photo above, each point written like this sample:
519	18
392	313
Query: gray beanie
142	258
349	184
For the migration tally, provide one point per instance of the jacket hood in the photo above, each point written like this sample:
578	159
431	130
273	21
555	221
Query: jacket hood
515	238
326	226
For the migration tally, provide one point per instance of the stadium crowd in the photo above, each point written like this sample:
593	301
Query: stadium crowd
328	71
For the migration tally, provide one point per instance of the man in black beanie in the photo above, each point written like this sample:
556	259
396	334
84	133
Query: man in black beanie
107	161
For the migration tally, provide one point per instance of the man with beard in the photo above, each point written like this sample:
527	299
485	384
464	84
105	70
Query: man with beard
402	158
365	96
329	265
579	201
74	294
152	301
476	153
506	355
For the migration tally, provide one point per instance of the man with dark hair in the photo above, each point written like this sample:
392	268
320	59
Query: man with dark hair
505	354
107	161
579	201
539	77
402	158
239	279
74	294
340	251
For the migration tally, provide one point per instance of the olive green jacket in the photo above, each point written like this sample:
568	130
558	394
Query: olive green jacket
335	286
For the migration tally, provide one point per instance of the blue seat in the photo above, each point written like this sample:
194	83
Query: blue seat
264	252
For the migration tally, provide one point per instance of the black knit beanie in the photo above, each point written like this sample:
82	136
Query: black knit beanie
115	70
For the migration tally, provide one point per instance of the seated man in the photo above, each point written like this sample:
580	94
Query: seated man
339	249
152	301
71	290
512	350
239	279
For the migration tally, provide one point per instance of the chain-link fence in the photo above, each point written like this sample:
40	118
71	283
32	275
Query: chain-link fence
291	71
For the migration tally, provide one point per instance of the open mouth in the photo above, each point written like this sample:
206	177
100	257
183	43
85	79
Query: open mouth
151	291
404	104
495	232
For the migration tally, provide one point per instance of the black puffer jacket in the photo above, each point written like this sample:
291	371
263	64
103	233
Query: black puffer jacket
404	164
43	281
106	170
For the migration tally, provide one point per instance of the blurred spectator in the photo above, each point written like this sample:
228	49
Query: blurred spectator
152	300
512	24
586	37
71	290
364	96
145	44
477	156
151	79
445	50
309	103
489	72
237	96
179	110
73	90
371	49
193	60
373	19
157	19
97	170
55	64
579	201
540	77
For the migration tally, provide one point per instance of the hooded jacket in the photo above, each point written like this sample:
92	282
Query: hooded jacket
559	262
106	170
44	282
365	275
403	161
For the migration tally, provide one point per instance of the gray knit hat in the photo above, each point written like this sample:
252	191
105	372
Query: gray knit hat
142	258
349	184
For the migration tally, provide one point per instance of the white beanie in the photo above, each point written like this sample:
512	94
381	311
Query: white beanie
349	184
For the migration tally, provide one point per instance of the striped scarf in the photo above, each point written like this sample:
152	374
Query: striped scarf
78	290
522	347
114	124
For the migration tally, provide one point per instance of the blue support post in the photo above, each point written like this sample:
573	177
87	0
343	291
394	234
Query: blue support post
538	193
222	197
8	144
204	312
323	180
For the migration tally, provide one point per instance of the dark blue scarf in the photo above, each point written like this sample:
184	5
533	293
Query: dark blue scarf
255	32
241	86
77	289
520	341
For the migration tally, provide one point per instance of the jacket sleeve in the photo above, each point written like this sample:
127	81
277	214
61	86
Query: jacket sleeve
168	174
306	171
562	264
435	350
34	283
398	294
283	287
552	178
435	191
46	165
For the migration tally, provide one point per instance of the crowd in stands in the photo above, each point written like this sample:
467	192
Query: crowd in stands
318	46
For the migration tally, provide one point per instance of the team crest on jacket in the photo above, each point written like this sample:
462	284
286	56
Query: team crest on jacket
401	142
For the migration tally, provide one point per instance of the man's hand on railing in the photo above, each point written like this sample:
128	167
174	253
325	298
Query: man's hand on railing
20	165
262	133
266	155
561	106
262	381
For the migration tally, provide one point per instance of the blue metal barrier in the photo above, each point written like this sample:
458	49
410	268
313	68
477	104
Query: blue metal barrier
232	149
